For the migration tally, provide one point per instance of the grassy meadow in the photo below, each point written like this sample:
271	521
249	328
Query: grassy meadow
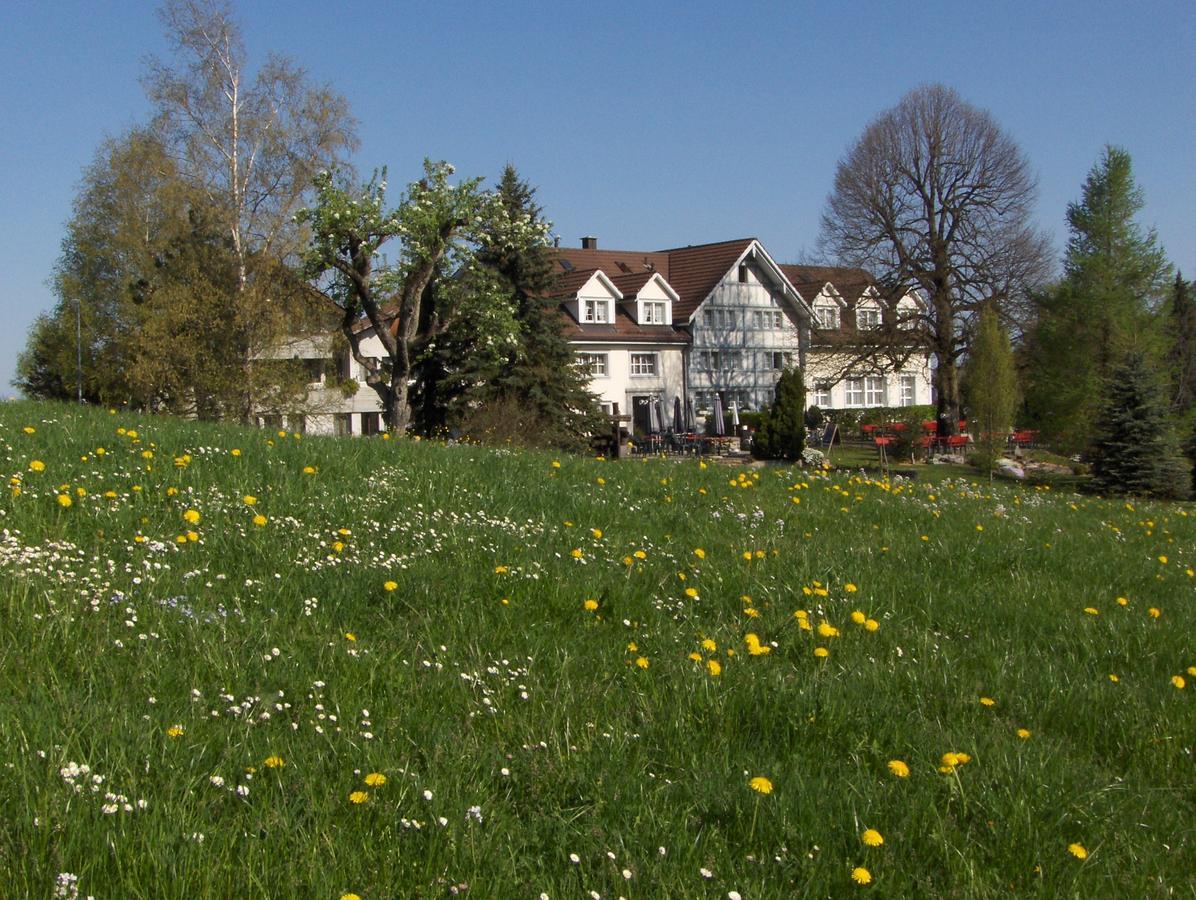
238	663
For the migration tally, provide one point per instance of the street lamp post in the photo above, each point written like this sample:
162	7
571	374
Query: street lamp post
79	349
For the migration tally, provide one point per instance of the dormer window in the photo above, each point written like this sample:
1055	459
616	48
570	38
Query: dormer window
827	317
867	318
743	273
595	311
653	312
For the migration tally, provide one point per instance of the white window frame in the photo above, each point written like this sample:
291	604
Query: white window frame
853	392
655	312
822	394
827	317
595	311
594	364
868	318
874	390
643	365
909	390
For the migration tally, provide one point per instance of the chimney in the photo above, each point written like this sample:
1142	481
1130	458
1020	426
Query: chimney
589	243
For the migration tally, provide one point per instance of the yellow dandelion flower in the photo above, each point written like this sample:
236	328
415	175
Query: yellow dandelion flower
596	533
576	553
375	779
858	617
632	647
171	491
236	451
192	516
695	656
37	466
1114	679
899	768
591	605
273	762
390	586
501	570
309	470
699	553
556	463
872	838
860	875
627	560
1077	850
29	429
709	645
64	500
1192	671
821	652
850	588
640	554
760	785
259	520
358	797
1178	681
350	897
987	701
1023	733
1163	560
350	636
1123	601
714	668
747	555
1092	610
642	662
1154	612
249	500
826	629
175	731
871	625
691	593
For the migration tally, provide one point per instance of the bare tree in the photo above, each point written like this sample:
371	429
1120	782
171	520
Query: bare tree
935	198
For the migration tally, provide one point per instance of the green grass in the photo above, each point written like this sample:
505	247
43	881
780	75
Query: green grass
483	679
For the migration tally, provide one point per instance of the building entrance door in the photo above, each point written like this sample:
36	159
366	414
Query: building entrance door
641	421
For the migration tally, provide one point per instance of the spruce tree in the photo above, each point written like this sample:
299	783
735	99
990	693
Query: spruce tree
538	381
1135	450
1182	354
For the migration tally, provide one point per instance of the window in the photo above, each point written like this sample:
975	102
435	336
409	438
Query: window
594	311
371	423
855	392
342	424
822	394
643	363
766	319
867	318
654	312
780	360
314	370
827	317
909	389
717	317
712	360
593	363
743	273
874	391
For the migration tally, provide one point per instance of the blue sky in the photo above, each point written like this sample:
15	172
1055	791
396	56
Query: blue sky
649	125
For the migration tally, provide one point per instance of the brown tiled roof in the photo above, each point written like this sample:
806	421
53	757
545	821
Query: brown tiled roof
695	271
569	283
623	329
810	280
630	285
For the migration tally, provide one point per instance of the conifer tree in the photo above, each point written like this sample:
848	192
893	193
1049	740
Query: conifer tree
1135	450
538	381
1114	275
782	432
1182	355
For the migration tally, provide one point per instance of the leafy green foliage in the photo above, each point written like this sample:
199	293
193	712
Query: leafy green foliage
990	386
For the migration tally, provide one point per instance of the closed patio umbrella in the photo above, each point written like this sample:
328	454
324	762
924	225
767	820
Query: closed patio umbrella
654	417
678	422
735	414
689	415
720	427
